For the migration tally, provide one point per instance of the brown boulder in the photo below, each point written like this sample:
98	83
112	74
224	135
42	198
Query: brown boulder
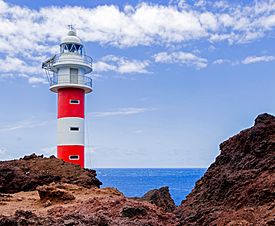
161	198
53	194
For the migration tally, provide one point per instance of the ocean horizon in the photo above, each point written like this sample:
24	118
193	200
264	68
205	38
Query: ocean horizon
135	182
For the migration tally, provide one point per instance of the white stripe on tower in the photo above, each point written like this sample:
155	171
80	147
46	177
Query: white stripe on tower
70	131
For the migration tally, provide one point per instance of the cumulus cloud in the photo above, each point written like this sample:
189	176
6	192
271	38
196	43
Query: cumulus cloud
121	65
28	36
185	58
13	64
257	59
142	24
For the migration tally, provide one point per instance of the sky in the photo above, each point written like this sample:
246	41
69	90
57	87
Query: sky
171	79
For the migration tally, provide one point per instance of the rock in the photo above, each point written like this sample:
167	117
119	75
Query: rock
48	203
239	181
7	221
53	194
32	171
161	198
5	197
32	156
28	218
133	211
69	222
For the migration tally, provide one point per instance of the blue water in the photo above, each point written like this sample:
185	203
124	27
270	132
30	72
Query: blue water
136	182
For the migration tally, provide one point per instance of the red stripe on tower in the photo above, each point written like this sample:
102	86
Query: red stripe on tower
70	103
68	78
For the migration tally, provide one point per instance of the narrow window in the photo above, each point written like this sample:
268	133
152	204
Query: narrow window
74	157
74	101
74	128
73	75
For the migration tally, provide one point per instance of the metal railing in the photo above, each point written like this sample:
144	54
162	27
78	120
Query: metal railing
69	79
63	57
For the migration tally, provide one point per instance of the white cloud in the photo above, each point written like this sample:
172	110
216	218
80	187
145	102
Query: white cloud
122	112
257	59
269	22
28	36
121	65
221	61
209	21
37	80
22	125
27	30
13	64
185	58
102	66
133	67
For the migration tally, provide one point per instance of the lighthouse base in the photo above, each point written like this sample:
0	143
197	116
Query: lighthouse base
71	153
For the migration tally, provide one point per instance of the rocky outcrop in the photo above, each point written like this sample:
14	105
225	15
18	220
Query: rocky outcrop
31	171
239	187
161	198
91	206
53	194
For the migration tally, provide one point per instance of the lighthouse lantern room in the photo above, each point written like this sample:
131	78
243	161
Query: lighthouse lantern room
67	75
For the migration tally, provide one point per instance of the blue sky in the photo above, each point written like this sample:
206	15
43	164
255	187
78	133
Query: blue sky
172	79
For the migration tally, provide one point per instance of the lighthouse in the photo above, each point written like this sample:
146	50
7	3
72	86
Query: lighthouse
67	73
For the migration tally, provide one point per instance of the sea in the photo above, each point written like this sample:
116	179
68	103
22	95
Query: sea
136	182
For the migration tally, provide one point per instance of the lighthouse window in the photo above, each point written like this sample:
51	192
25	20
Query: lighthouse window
71	48
73	71
74	157
74	101
74	128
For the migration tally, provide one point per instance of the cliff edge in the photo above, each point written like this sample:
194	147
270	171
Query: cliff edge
239	187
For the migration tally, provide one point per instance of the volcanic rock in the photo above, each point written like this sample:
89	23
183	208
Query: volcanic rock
133	211
161	198
92	206
53	194
239	187
22	217
31	171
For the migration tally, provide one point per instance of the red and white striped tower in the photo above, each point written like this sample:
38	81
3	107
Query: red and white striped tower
67	76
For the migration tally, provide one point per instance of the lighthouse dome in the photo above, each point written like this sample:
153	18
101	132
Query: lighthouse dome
71	43
71	38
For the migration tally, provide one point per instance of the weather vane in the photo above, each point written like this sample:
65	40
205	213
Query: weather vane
71	27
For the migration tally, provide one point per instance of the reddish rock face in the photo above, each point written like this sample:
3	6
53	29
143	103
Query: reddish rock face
31	171
239	187
161	198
